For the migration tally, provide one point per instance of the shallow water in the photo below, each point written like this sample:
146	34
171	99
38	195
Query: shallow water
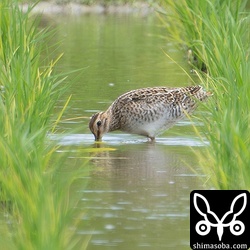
137	194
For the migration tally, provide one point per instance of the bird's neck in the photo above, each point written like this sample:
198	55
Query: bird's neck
114	123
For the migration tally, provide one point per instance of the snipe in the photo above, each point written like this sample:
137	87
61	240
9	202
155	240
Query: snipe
147	111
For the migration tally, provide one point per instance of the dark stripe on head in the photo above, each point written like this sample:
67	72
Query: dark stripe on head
92	120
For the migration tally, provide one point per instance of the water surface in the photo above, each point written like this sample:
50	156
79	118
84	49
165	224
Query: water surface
137	195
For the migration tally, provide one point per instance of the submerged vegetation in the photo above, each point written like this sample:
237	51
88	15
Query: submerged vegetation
217	34
36	210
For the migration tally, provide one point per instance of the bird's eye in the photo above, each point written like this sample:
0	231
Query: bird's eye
99	123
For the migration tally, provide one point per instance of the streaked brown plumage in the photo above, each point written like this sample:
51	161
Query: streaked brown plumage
147	111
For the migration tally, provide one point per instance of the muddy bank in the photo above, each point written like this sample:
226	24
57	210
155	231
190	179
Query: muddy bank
78	9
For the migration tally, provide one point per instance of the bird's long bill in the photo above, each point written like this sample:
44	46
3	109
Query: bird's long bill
97	136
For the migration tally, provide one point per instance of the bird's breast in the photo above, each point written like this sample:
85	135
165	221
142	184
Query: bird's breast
150	122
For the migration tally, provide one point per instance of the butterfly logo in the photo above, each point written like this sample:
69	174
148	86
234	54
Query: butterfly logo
203	227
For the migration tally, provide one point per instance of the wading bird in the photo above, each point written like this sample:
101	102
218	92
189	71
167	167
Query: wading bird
147	111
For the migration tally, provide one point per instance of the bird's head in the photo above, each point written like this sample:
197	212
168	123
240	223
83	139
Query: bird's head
99	125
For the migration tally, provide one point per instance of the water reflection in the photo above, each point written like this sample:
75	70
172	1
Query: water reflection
139	189
138	192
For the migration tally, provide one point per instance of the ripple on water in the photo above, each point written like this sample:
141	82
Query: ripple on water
117	139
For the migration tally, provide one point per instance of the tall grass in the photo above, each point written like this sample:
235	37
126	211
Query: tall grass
34	195
217	32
